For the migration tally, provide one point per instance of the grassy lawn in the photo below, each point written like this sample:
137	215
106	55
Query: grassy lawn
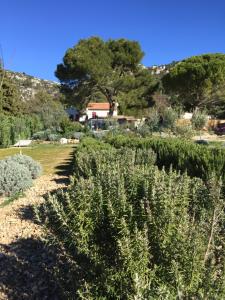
54	158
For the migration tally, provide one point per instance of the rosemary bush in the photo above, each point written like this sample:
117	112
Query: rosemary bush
183	155
133	231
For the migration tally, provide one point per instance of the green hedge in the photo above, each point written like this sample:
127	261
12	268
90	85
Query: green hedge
197	160
132	231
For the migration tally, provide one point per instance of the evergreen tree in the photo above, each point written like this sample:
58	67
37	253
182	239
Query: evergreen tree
10	98
194	82
111	68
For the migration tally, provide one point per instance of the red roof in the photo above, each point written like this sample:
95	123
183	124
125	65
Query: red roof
98	106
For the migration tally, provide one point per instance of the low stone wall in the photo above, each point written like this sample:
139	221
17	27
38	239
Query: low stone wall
211	123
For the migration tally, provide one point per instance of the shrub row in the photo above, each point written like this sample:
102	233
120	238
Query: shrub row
14	128
54	136
133	231
16	174
197	160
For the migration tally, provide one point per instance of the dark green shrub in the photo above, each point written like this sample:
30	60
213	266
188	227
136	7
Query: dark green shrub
92	143
182	155
14	128
91	155
47	135
68	128
40	135
5	131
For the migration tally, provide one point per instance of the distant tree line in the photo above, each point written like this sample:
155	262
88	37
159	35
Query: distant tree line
112	70
21	119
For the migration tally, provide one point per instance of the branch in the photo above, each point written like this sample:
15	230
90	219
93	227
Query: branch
211	236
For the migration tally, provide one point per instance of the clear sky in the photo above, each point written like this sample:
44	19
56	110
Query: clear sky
34	34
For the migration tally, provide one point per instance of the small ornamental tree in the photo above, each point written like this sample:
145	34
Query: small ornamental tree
153	120
199	120
169	118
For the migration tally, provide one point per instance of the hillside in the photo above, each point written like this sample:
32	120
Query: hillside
161	70
30	85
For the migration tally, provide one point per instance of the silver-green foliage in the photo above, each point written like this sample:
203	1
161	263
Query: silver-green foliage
199	120
135	232
184	131
33	166
14	178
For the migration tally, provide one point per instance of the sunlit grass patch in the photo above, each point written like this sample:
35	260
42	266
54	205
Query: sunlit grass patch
49	155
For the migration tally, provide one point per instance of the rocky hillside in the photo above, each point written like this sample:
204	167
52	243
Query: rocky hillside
30	85
161	69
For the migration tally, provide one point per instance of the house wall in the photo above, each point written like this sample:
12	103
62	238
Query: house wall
99	113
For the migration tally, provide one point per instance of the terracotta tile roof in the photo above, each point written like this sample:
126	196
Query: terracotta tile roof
98	106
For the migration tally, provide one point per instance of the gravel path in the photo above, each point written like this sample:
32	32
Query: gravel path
26	263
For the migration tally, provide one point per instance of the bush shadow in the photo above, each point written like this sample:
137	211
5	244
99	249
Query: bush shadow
66	169
27	270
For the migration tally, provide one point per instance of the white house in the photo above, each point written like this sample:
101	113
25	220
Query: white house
99	110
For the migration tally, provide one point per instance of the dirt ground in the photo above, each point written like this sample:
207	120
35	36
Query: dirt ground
26	262
210	137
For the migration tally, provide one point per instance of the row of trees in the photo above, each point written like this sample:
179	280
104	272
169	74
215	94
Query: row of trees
112	71
21	119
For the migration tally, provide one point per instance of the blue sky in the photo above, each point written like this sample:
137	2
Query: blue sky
34	34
